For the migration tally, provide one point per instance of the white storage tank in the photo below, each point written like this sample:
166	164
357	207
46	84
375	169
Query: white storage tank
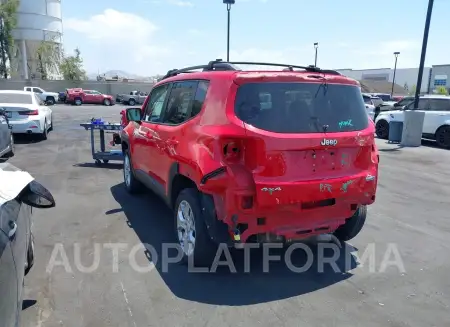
37	21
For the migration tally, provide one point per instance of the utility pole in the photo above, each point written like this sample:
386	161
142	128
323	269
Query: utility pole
316	46
228	3
423	54
395	70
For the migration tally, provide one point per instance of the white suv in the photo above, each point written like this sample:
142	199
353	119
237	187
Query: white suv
436	125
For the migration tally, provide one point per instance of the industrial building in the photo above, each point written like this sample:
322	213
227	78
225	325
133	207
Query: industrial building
433	76
37	21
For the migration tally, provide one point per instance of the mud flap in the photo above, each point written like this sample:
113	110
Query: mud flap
218	230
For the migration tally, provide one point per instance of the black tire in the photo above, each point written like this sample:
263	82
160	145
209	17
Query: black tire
51	125
107	102
30	255
131	102
77	101
44	134
13	148
382	129
105	161
132	185
204	248
50	101
443	137
352	226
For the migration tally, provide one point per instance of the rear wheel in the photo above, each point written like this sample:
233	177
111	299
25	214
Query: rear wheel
352	226
382	129
78	102
44	134
192	234
107	102
443	137
131	102
50	101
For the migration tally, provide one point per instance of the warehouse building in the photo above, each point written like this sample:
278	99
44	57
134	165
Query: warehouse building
433	77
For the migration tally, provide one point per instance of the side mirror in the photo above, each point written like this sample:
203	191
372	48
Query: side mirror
37	196
134	114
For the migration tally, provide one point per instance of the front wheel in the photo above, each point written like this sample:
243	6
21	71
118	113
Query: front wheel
78	102
131	183
192	234
382	129
30	255
443	137
352	226
107	102
50	101
131	102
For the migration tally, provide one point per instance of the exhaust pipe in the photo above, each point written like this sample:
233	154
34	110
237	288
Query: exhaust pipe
29	131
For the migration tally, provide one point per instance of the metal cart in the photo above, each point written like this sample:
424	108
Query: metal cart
103	155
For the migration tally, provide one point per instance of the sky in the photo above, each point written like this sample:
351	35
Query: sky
148	37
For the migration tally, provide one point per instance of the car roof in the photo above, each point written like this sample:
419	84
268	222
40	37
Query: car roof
16	91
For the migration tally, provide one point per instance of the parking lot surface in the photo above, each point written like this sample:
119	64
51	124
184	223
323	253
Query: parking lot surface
411	214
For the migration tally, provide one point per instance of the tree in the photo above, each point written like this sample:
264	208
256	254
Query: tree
71	67
442	90
48	58
8	21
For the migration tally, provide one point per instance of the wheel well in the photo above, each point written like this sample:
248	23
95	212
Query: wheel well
439	128
50	97
179	183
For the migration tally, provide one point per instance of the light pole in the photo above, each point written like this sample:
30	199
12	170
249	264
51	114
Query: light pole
424	52
316	46
395	70
228	3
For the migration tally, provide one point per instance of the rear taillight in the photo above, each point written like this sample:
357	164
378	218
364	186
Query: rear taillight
29	113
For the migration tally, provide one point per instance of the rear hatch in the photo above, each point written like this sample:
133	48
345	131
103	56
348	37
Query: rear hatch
310	141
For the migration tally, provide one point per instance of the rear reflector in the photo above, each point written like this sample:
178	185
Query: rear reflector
29	113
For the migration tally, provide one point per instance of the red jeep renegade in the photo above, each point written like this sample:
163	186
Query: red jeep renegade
254	156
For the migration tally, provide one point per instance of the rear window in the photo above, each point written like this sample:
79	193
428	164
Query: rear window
301	107
16	98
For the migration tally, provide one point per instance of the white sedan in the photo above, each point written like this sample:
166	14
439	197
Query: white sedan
26	112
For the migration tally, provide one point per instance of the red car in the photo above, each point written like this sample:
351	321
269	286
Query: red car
261	156
79	96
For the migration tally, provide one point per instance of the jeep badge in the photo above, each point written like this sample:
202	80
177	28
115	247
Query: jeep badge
328	142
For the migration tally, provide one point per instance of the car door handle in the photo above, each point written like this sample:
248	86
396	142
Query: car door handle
12	231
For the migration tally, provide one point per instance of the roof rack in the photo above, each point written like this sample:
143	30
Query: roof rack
220	65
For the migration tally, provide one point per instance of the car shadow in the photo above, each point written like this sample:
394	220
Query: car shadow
108	165
153	223
425	142
26	139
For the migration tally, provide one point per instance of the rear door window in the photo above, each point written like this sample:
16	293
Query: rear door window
301	107
21	98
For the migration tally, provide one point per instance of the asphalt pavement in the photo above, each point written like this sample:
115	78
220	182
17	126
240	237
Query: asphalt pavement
409	224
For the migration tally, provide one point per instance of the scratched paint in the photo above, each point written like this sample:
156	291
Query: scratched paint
345	186
345	123
325	187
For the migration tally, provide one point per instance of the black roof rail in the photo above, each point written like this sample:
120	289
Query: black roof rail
309	68
220	65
